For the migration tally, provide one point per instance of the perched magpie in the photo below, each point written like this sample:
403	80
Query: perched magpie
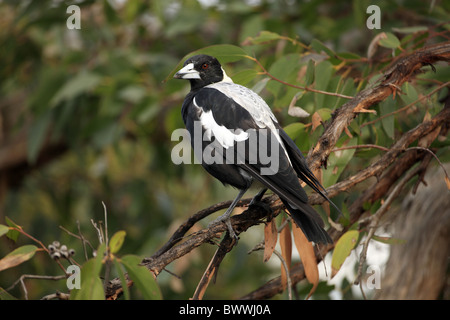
241	142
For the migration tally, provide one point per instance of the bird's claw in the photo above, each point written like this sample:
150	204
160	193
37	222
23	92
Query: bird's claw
261	205
227	221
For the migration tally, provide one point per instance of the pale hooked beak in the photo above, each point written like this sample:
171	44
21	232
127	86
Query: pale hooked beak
187	72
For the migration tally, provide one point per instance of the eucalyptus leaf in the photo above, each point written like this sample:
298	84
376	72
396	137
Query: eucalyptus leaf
142	277
390	41
342	249
91	284
3	229
79	83
17	256
116	241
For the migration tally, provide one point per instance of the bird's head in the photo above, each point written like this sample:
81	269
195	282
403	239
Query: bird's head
202	70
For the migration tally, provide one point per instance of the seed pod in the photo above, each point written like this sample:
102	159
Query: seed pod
56	255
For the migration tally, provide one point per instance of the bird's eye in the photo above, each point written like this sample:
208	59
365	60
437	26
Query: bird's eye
205	66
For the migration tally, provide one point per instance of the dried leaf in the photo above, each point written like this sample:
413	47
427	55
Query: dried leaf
295	111
286	252
348	132
427	140
308	257
326	208
316	120
270	239
373	46
447	181
360	108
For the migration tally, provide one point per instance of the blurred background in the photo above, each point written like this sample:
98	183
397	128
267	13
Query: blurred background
86	116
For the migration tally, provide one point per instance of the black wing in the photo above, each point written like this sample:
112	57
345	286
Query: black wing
281	177
301	167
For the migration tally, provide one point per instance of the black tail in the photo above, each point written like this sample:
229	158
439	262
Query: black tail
301	168
310	222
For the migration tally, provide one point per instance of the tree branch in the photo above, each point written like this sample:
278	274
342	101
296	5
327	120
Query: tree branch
400	72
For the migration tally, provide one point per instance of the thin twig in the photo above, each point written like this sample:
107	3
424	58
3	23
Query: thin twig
434	156
361	146
179	234
43	247
106	223
32	276
260	246
375	218
80	237
225	246
364	146
407	106
267	73
57	295
99	231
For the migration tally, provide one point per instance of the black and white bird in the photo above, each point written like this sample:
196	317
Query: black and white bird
236	124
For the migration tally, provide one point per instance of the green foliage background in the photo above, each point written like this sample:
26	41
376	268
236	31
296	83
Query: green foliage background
96	115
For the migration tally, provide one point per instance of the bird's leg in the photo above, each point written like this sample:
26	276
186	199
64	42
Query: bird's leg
256	201
257	198
226	216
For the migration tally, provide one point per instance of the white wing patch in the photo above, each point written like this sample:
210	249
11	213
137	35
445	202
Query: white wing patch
223	135
253	103
249	100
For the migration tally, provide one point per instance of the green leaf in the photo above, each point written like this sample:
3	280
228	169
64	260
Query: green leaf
349	55
17	256
142	277
337	161
116	241
387	106
388	240
37	135
410	93
294	129
344	246
391	41
3	229
264	36
322	76
245	76
91	285
132	93
319	47
410	29
81	82
282	69
4	295
12	234
309	77
324	113
123	281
